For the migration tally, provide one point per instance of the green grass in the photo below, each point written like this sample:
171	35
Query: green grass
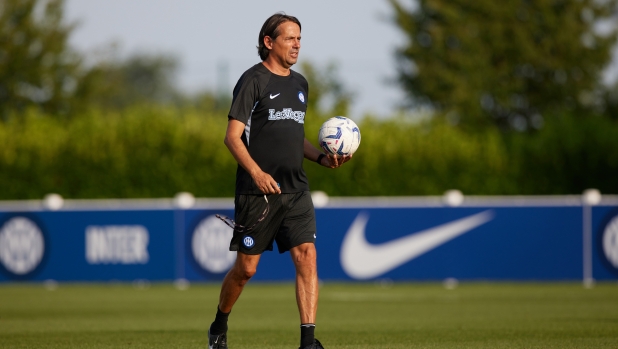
474	315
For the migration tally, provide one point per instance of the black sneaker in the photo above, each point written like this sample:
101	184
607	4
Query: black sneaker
218	341
315	345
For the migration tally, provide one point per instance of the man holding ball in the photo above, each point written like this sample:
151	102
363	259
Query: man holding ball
266	136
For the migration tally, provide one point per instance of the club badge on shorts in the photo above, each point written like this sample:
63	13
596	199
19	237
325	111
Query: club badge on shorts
248	241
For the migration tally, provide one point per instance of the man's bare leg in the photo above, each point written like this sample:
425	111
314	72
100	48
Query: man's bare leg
235	280
233	283
304	257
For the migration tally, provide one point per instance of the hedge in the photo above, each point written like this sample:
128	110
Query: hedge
148	152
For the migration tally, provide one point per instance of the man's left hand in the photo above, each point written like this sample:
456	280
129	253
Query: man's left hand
334	161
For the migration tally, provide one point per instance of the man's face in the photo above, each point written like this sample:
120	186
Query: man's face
284	50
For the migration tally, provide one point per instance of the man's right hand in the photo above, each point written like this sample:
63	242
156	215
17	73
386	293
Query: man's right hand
266	183
262	180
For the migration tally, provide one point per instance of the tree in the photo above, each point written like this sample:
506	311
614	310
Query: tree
611	101
115	83
37	67
327	95
509	63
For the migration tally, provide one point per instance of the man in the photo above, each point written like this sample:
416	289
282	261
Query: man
266	136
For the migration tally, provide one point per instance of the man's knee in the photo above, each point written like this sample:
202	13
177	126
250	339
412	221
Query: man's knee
244	269
304	254
246	272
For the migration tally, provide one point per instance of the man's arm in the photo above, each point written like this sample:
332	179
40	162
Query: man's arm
262	180
312	153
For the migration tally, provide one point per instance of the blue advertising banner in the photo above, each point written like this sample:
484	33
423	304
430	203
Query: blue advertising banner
355	241
86	245
604	242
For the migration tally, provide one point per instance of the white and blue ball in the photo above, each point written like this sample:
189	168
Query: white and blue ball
339	136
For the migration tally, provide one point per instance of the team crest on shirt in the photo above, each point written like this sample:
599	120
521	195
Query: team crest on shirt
301	97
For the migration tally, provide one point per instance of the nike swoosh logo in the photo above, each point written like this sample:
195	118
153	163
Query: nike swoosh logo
362	260
272	97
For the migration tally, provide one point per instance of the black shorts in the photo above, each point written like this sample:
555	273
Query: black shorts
290	222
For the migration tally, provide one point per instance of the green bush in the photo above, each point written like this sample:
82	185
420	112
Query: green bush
141	152
397	157
570	154
145	152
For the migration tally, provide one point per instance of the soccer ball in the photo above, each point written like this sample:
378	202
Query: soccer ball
339	136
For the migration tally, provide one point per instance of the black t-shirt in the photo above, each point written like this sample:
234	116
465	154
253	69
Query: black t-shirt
272	107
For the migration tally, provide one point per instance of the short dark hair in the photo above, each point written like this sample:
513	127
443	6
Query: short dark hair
271	29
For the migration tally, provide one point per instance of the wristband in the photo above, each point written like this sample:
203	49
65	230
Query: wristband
319	159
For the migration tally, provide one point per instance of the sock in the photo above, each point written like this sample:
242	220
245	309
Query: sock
219	326
307	334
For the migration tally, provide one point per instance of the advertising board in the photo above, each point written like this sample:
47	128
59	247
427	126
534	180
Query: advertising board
402	240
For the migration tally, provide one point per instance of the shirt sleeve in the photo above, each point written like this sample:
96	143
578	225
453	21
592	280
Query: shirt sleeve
244	99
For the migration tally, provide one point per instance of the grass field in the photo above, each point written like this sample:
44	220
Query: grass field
409	315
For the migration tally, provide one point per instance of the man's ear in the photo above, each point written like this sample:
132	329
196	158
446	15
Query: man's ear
268	42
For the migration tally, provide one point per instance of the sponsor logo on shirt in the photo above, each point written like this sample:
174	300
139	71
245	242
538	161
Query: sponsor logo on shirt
287	114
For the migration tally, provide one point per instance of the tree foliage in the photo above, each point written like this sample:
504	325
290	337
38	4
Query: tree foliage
507	62
327	95
37	67
115	83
